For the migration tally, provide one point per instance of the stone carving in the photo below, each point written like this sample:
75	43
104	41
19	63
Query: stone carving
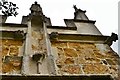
19	34
54	35
112	38
38	58
74	6
36	9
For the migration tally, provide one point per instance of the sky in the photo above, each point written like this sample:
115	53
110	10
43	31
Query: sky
105	12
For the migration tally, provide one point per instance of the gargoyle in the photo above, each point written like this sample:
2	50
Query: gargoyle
112	38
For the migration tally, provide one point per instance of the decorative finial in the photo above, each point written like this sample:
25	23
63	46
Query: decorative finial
36	9
74	6
35	2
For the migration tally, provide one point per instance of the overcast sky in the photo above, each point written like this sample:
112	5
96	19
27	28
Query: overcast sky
105	12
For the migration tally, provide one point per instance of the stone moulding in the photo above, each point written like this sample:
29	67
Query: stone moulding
12	35
84	21
62	27
13	25
65	77
78	37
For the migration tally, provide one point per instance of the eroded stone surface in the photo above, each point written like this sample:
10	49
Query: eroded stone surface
72	69
10	56
87	56
95	69
62	45
8	42
12	64
70	52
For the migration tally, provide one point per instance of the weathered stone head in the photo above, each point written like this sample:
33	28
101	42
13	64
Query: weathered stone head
114	37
